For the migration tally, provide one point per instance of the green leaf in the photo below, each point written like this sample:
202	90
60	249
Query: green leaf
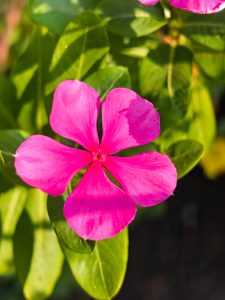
207	30
202	117
118	56
26	66
66	236
34	60
77	51
166	74
101	273
7	103
29	75
23	246
5	184
212	63
109	78
199	123
11	206
128	18
38	273
185	155
10	140
56	14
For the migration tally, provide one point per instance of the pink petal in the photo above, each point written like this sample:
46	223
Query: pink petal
75	112
199	6
128	121
45	164
148	2
97	209
149	178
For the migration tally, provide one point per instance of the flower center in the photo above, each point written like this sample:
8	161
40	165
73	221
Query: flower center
99	156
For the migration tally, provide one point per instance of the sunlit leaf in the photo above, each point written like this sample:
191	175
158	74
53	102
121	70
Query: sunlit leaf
41	268
101	273
202	116
109	78
77	51
207	30
11	206
56	14
185	155
129	18
29	75
212	63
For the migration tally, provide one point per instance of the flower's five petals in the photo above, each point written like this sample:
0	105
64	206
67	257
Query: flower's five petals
148	2
199	6
74	113
127	121
148	178
45	164
98	209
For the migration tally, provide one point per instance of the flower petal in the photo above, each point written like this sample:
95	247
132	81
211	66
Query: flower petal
199	6
97	209
45	164
148	2
128	121
75	112
149	178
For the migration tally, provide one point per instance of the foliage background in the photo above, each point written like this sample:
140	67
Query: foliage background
172	58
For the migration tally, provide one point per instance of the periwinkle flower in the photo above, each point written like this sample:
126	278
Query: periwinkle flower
195	6
98	208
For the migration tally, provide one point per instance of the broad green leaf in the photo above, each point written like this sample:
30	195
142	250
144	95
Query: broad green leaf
202	117
10	140
185	155
136	47
119	57
11	206
56	14
109	78
207	30
40	270
34	60
26	66
212	63
101	273
7	103
29	75
199	123
77	51
66	236
23	246
129	18
166	75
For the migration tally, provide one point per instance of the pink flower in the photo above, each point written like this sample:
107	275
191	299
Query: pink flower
195	6
97	208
